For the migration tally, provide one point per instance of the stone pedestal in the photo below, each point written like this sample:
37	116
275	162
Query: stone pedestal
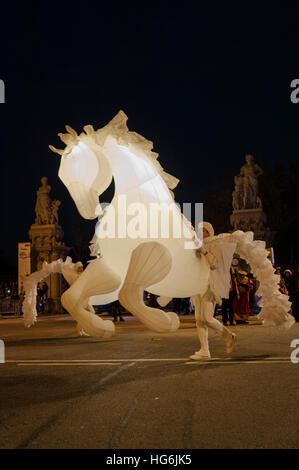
248	219
254	220
47	245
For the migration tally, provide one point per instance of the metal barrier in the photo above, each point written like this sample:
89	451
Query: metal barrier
10	306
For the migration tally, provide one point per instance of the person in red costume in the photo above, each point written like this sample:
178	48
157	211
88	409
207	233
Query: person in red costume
241	302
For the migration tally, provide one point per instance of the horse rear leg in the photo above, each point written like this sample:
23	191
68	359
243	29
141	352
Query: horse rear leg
98	278
150	263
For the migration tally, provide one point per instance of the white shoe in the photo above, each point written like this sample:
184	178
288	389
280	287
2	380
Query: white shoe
230	343
200	355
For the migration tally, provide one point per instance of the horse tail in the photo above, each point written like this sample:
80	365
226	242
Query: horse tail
30	288
275	305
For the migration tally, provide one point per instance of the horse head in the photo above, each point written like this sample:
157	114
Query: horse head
89	158
84	169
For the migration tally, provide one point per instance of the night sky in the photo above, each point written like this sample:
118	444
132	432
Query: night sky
207	83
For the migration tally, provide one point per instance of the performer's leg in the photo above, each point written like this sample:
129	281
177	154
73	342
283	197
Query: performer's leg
202	331
203	334
208	315
204	314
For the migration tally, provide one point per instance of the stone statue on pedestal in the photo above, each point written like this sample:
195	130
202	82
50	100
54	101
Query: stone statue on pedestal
250	173
248	214
245	195
46	210
46	237
238	194
54	211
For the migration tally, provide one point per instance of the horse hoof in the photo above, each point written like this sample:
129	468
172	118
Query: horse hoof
174	319
110	331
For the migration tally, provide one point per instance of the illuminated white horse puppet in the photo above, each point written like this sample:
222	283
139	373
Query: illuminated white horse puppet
139	251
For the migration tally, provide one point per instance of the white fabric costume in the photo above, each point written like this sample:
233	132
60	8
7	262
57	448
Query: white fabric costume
219	257
275	305
70	272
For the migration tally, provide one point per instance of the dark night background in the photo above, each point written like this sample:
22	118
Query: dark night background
207	82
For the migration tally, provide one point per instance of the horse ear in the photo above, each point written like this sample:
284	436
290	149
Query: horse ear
88	129
66	138
71	131
55	150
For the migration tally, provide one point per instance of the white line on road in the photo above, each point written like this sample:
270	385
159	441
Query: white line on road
69	364
205	362
216	360
201	363
94	360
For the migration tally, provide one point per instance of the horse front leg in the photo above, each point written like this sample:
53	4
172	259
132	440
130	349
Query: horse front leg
98	278
150	263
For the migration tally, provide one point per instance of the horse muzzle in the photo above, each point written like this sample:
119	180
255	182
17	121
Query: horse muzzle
85	198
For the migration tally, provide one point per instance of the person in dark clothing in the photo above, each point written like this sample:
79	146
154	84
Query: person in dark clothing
227	304
181	305
282	285
42	291
289	282
116	311
252	300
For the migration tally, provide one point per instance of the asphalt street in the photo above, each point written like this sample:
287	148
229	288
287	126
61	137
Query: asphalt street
140	390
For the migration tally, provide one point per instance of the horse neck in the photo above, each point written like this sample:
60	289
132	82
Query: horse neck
135	172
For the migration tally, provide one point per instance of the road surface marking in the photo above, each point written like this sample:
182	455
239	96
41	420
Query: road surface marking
69	364
117	362
94	360
237	362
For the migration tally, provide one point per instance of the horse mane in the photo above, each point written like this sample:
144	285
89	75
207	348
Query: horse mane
118	129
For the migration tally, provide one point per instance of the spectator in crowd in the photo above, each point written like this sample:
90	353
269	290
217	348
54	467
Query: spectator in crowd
282	286
241	302
290	286
227	304
42	291
176	305
252	299
288	278
295	305
181	306
116	311
190	306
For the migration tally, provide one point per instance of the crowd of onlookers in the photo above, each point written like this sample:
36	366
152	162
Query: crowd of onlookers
243	300
11	300
9	290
